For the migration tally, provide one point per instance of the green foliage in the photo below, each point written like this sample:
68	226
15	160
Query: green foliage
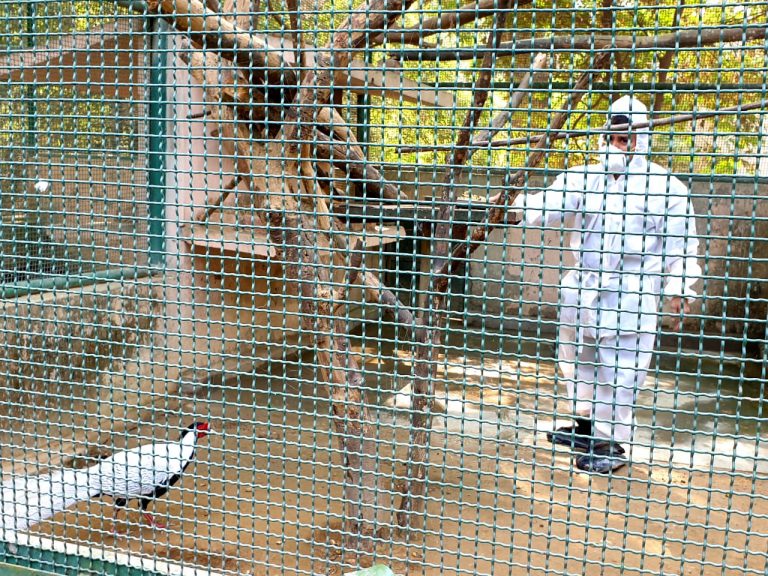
30	23
718	65
53	118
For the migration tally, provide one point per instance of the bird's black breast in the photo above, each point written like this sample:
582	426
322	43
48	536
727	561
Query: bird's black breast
161	489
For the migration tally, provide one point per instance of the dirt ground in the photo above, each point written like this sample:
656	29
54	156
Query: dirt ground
265	495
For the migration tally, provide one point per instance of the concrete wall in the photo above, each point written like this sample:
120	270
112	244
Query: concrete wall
75	359
93	211
81	368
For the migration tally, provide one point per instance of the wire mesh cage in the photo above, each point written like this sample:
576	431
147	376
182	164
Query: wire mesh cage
386	287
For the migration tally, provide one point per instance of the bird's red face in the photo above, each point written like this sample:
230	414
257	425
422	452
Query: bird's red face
202	429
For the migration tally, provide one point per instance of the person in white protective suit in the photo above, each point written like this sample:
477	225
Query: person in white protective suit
633	235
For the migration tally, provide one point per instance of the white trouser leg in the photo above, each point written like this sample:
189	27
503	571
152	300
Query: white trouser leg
622	367
577	365
566	355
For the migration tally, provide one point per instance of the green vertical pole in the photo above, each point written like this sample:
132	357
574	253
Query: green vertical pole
31	136
157	133
363	118
363	111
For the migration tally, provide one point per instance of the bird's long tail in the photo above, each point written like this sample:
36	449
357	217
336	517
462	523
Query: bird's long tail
29	499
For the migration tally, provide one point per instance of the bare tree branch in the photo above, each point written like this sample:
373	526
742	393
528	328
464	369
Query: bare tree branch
275	14
606	16
220	200
693	116
206	69
497	212
352	160
308	265
355	262
251	52
413	496
293	16
689	38
211	71
349	37
666	60
422	392
501	119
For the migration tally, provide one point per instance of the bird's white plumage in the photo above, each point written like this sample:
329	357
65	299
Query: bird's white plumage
28	499
134	473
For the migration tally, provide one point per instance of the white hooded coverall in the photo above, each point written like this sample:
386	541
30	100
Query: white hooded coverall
630	236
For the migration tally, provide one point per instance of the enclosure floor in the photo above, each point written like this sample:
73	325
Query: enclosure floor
265	496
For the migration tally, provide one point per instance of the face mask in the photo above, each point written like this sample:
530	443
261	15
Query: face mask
614	159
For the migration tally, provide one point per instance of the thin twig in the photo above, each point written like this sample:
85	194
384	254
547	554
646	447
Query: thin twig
221	199
666	60
198	115
695	115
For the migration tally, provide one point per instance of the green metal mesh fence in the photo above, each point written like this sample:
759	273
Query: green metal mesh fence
443	288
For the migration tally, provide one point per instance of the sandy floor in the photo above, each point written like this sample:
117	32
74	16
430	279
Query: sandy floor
265	495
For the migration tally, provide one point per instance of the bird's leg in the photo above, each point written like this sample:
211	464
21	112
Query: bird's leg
114	521
148	517
152	522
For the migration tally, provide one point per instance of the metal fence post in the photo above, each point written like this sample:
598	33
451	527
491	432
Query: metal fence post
157	108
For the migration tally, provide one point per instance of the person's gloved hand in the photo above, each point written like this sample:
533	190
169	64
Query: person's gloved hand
679	307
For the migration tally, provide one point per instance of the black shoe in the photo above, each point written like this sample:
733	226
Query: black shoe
603	458
576	437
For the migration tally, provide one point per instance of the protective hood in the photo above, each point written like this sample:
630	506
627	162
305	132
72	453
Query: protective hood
636	112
